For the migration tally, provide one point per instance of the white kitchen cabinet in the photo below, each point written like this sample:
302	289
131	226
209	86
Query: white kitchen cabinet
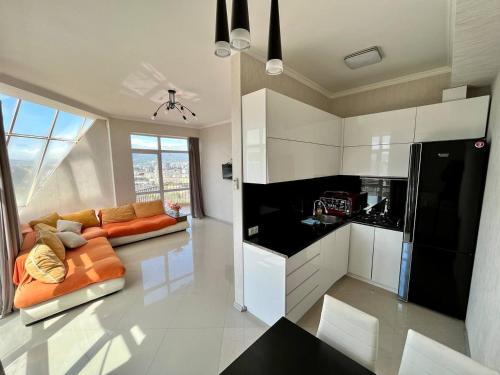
285	140
334	257
264	287
387	258
458	119
286	118
376	160
380	128
291	160
361	250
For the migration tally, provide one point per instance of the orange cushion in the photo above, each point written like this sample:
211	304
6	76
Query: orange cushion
94	232
117	214
148	209
91	263
44	265
50	219
29	240
26	228
139	226
87	218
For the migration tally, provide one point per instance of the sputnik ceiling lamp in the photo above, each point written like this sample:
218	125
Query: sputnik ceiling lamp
240	26
222	47
172	104
274	64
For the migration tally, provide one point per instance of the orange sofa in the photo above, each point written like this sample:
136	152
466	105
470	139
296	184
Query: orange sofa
93	270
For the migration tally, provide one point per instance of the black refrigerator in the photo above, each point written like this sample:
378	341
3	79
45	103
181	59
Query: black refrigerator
443	208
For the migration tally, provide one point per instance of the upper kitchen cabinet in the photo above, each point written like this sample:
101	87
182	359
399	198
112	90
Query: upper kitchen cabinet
286	140
380	128
459	119
287	118
377	160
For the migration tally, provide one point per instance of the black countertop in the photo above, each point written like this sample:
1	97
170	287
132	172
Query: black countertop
290	238
287	349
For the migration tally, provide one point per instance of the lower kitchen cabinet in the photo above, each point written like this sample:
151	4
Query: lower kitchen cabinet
277	286
334	257
375	255
387	258
361	250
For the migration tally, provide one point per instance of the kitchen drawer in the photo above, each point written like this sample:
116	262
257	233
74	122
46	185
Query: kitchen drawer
302	273
302	257
302	291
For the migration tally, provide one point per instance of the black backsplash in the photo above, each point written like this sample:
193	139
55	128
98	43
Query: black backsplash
276	205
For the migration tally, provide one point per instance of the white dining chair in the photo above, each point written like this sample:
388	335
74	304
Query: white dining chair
350	331
423	355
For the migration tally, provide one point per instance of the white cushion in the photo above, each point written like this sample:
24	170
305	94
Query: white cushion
71	240
350	331
423	355
69	226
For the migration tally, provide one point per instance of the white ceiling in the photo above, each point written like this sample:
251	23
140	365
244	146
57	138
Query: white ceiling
120	56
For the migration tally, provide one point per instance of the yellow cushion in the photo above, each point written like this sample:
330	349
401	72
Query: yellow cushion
148	209
44	265
50	219
51	240
118	214
45	227
87	218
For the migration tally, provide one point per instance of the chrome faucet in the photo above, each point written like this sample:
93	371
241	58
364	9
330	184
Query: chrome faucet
321	203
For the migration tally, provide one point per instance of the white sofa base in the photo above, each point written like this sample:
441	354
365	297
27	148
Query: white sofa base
53	306
118	241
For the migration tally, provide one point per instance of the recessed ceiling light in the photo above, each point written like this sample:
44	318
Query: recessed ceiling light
364	57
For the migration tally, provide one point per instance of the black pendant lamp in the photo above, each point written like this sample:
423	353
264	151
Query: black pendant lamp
222	47
274	64
240	26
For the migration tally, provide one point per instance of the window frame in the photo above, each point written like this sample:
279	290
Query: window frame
9	134
159	151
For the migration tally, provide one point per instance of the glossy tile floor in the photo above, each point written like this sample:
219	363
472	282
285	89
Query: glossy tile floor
175	316
395	318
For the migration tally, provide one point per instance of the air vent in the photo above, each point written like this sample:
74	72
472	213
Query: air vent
362	58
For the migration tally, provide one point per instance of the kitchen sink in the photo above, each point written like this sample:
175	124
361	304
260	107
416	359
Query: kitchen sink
329	219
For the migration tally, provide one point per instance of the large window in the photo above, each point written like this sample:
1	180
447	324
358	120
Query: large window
38	139
161	169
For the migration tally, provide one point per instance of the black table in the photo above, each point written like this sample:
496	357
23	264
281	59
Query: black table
288	349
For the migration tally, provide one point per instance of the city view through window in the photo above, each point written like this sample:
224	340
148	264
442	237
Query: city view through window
161	169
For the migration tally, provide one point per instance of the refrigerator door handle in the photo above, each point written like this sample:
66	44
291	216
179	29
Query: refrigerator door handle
404	274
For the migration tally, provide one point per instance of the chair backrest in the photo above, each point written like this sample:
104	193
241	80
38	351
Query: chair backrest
350	331
423	355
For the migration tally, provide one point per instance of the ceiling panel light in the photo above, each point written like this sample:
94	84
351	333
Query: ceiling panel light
362	58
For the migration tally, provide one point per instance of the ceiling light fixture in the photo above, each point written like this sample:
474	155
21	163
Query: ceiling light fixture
364	57
274	64
172	104
222	47
240	26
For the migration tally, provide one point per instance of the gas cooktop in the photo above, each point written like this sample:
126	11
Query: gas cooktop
379	219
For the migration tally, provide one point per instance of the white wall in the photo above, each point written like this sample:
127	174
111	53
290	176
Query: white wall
215	150
483	314
83	180
120	131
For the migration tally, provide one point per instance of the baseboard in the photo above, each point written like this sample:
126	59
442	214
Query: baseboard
467	347
239	307
221	220
371	282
